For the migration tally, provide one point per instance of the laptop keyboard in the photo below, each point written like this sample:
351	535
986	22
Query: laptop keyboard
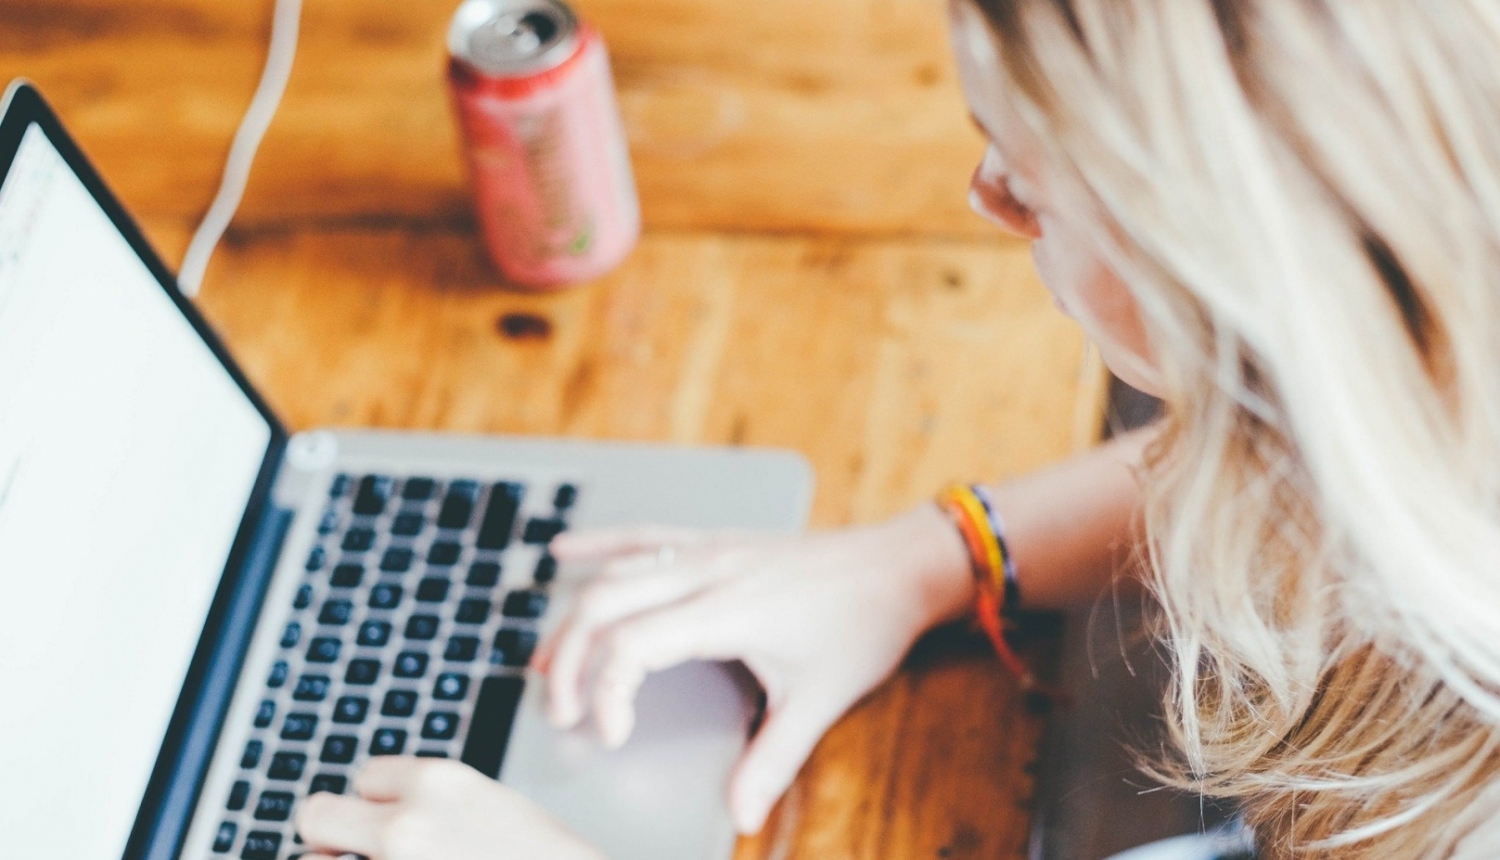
401	637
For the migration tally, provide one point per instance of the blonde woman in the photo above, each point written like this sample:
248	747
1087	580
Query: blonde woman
1282	217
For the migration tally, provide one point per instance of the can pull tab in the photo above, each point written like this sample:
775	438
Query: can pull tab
516	34
513	36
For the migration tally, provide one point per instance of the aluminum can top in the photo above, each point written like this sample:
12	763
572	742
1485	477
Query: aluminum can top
512	38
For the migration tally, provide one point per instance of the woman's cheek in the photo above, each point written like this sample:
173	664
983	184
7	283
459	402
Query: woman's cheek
1089	292
1058	273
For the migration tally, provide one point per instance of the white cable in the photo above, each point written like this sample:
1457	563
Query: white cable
252	129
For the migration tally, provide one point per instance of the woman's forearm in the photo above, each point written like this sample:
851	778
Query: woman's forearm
1071	529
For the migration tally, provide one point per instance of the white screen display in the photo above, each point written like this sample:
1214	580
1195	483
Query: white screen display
127	458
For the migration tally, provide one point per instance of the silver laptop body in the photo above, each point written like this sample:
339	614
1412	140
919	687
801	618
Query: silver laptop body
381	593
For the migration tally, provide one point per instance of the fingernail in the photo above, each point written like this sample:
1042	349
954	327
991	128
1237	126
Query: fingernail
749	818
616	732
563	716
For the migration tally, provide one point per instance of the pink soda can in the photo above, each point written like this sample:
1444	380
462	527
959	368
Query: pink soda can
554	193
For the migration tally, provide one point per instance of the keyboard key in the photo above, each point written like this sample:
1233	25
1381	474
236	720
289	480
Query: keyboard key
432	589
513	647
484	574
358	539
339	487
450	687
387	742
299	727
346	575
461	649
336	612
323	649
329	523
316	559
311	688
458	507
409	664
397	559
279	671
362	672
291	635
386	595
418	489
440	726
526	603
351	709
251	758
432	754
329	782
473	611
373	634
265	714
565	496
408	524
444	553
224	837
499	516
546	570
239	795
399	703
286	766
373	492
421	627
339	749
542	530
261	845
304	597
489	732
274	806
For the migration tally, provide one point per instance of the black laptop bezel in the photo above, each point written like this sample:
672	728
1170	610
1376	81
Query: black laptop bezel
192	732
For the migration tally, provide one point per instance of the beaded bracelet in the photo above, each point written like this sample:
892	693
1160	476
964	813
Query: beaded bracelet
997	595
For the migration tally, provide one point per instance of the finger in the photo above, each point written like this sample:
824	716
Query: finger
772	760
634	566
388	778
598	544
651	642
603	602
341	825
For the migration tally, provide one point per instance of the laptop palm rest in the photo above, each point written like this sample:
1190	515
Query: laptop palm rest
662	795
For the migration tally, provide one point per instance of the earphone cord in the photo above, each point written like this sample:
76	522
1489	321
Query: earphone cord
262	110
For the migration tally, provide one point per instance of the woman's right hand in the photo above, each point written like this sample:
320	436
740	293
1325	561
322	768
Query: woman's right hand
819	619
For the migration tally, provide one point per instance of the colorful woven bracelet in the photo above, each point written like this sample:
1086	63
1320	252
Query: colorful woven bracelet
1012	588
996	597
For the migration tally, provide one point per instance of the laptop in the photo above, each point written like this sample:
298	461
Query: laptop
204	618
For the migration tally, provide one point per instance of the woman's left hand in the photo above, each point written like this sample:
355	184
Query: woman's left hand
433	809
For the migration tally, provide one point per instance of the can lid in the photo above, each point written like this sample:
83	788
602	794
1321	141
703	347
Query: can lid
512	37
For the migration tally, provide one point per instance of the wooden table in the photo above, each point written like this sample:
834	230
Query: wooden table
810	277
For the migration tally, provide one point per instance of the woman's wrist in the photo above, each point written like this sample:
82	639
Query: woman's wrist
927	547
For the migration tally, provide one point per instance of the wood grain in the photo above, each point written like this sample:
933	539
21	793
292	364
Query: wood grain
777	116
876	359
810	278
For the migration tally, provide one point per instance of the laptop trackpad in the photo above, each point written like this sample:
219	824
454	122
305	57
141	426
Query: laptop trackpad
661	796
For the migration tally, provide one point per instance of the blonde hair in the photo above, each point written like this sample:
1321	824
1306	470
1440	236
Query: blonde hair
1304	198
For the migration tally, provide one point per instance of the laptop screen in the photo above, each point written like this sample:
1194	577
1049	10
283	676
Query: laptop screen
128	455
